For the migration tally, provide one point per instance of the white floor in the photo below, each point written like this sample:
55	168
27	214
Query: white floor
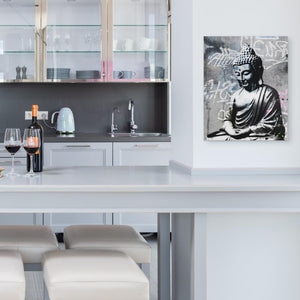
34	280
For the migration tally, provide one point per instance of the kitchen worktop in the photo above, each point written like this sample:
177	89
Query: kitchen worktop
97	137
162	190
152	179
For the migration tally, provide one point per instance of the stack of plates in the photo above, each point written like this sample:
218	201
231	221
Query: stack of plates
88	74
58	73
154	72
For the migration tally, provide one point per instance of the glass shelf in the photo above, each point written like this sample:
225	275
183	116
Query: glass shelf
25	25
142	25
66	51
142	51
18	52
83	25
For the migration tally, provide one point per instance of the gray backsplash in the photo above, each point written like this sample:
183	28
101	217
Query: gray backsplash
91	103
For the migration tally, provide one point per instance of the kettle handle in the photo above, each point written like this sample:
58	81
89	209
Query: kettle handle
52	117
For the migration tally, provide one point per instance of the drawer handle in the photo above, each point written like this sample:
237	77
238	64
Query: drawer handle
146	146
78	146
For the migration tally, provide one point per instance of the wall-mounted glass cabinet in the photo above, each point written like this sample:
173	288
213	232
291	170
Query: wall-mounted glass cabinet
18	40
139	39
84	40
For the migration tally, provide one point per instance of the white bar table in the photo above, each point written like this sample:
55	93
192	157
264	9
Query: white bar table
161	190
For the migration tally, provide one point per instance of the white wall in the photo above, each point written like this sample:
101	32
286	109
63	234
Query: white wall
249	256
253	257
191	21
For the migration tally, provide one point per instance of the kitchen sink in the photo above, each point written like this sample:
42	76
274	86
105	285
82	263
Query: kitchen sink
137	134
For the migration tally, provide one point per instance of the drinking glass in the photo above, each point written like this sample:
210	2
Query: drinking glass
31	144
12	143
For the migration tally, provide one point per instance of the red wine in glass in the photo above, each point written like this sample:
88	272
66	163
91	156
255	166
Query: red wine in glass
31	144
31	150
12	143
12	149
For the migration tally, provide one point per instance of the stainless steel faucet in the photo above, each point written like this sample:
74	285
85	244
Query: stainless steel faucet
114	127
132	126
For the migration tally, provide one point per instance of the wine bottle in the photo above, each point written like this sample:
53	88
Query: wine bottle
38	159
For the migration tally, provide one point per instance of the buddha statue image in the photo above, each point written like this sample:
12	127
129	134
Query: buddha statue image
255	112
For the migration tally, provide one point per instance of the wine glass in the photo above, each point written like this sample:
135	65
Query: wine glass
12	143
31	144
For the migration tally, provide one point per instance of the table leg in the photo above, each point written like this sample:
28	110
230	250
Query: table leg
189	256
163	256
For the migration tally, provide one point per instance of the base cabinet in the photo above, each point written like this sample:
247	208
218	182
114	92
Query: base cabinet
58	222
92	154
74	155
17	219
140	154
77	154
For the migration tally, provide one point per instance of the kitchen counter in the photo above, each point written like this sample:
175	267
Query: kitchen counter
95	137
98	137
170	186
163	190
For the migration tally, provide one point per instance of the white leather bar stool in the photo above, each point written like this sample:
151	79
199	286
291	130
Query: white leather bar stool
110	237
12	278
31	241
93	275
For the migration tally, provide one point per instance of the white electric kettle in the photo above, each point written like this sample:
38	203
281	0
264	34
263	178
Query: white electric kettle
65	121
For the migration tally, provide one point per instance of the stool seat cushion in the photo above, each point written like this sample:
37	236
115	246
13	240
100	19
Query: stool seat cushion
111	237
93	275
12	278
30	240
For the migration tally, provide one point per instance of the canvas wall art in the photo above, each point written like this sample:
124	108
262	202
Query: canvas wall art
246	88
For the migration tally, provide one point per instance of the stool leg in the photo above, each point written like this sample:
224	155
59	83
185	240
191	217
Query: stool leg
163	256
146	269
46	297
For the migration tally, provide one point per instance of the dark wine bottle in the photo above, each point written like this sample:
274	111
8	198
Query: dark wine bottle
38	159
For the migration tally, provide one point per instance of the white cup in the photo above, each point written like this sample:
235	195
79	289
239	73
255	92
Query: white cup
143	44
153	44
115	45
128	45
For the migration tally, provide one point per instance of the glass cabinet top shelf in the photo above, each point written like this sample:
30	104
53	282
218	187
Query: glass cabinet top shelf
73	25
18	52
71	51
140	25
25	25
141	51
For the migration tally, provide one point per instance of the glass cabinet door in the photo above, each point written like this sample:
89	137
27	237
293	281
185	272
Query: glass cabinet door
73	40
139	40
17	40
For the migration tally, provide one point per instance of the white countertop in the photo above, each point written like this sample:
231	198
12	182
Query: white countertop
148	179
147	189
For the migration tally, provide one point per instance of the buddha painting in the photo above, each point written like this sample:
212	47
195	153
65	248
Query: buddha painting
255	108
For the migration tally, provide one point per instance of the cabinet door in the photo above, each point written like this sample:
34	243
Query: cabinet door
72	155
20	163
5	158
140	154
139	40
73	40
17	40
77	154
